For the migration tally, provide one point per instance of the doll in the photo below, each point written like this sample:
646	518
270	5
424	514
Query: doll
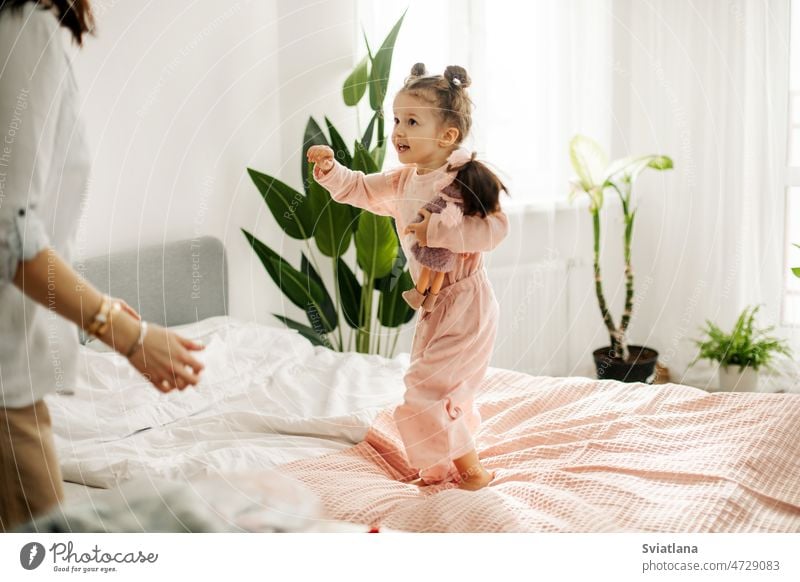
435	261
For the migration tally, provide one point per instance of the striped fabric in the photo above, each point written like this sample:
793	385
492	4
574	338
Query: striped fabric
583	455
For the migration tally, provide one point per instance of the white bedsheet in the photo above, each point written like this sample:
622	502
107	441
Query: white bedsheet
267	397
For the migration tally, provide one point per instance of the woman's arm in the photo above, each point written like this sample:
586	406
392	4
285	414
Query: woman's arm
164	358
473	234
374	192
32	93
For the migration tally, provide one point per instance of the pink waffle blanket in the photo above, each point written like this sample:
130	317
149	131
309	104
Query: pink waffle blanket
581	455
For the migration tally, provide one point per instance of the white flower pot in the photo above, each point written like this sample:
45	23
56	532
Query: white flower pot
732	380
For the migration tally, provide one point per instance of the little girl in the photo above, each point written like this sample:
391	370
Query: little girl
453	342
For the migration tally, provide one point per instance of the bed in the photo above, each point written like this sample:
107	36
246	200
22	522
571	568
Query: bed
279	427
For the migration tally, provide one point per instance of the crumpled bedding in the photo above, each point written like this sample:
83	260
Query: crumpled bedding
583	455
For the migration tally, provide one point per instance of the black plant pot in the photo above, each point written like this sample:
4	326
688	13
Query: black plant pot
638	368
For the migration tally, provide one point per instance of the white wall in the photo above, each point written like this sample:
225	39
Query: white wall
180	98
690	82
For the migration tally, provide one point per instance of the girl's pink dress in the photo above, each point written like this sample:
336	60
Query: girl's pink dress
453	343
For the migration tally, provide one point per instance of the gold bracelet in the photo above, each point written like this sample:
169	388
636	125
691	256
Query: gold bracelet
102	319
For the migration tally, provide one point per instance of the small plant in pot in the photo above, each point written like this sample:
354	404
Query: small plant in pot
740	353
596	176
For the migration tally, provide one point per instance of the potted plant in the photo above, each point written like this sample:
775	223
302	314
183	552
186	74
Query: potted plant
741	353
595	176
380	265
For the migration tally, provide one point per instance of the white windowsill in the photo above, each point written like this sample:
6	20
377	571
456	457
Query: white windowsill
512	207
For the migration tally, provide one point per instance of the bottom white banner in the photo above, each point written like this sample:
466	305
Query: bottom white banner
400	556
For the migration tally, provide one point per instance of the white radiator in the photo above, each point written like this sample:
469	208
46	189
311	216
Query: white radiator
533	333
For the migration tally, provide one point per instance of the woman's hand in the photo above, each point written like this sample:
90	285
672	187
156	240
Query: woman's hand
128	309
420	228
322	156
165	359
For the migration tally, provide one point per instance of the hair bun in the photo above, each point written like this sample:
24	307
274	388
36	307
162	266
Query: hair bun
457	76
419	70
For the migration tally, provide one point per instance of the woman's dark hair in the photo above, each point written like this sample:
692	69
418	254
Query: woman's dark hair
76	15
479	186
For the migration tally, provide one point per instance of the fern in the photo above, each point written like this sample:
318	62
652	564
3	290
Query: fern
745	346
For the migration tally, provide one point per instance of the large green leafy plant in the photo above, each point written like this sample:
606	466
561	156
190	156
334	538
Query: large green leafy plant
380	266
595	176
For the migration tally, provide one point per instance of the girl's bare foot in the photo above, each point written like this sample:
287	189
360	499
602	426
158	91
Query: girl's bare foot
477	481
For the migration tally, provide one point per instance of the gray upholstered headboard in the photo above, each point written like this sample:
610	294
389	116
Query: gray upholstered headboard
171	284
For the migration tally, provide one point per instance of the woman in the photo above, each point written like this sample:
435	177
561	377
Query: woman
44	171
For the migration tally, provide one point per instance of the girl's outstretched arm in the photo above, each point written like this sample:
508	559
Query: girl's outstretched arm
374	192
473	234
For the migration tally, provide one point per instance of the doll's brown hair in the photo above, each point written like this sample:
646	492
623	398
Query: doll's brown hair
447	93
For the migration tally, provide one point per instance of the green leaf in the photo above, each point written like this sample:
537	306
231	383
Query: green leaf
289	207
340	150
377	154
366	42
362	160
381	67
275	266
661	163
367	139
312	136
327	305
398	266
356	84
266	255
588	160
629	168
393	311
334	221
355	213
305	293
376	244
308	269
305	331
349	293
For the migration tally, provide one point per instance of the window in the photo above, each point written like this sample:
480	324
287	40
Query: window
541	72
791	303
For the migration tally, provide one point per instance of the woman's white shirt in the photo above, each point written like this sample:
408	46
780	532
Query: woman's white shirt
44	175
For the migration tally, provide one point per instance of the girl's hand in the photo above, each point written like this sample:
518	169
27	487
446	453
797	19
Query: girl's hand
420	228
165	359
322	156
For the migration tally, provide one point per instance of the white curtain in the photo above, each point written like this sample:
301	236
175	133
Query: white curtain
540	70
705	82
